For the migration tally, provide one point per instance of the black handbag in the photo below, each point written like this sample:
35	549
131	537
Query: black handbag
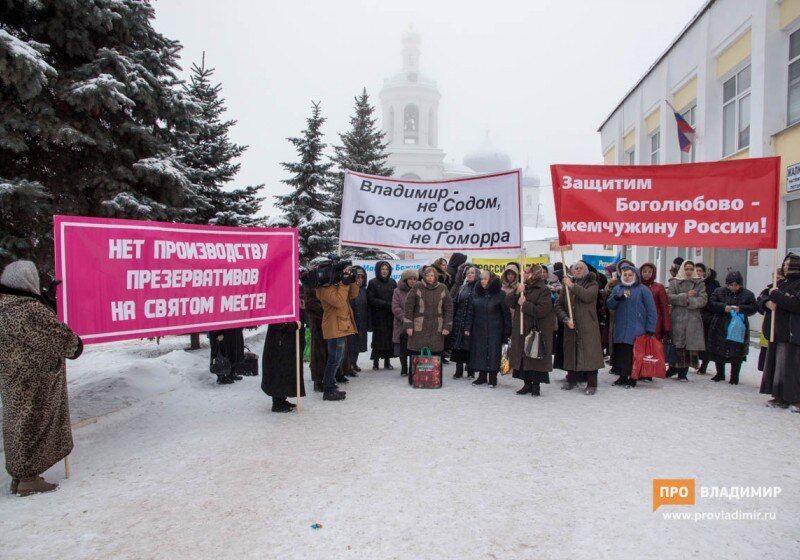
534	347
220	364
249	365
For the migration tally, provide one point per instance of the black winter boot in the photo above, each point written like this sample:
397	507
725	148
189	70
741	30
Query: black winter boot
470	373
734	375
318	387
459	371
527	388
376	365
280	405
536	389
493	379
481	378
622	381
387	364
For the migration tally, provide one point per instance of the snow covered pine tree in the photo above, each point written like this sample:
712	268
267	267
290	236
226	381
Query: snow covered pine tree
208	157
362	150
305	207
91	111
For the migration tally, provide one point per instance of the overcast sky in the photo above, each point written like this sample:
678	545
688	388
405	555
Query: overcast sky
540	75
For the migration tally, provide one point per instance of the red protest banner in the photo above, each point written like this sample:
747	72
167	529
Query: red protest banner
718	204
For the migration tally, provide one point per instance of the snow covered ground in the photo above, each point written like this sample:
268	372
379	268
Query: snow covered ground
169	465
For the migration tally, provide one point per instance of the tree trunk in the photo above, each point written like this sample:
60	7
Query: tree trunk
194	341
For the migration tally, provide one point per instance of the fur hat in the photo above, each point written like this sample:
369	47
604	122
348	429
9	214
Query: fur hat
408	274
794	263
23	276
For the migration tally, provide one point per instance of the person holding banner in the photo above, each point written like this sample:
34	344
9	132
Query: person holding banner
583	349
428	314
730	303
634	315
379	297
781	377
687	296
33	380
488	330
408	278
533	303
462	317
279	363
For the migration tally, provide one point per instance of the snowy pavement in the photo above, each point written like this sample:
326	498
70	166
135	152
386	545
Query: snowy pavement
167	464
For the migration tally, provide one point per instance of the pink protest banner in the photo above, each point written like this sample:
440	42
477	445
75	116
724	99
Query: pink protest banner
125	279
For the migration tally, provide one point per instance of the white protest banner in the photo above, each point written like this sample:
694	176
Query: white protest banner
480	213
397	266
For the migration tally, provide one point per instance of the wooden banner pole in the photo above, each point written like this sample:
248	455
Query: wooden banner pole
66	467
298	365
566	290
774	285
522	283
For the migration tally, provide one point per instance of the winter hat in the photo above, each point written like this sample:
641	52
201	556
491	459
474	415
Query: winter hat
21	275
734	276
536	272
407	275
678	261
794	263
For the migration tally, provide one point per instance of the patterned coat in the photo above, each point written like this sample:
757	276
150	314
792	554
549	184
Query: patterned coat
429	311
33	385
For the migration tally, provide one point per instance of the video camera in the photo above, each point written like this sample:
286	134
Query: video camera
328	272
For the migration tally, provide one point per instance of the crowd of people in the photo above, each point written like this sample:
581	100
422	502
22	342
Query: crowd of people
528	321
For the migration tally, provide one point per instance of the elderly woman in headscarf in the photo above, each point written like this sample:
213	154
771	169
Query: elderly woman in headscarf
33	380
533	299
635	315
583	350
687	296
510	278
781	377
721	350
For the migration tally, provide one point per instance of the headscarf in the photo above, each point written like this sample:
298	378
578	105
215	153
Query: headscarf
22	276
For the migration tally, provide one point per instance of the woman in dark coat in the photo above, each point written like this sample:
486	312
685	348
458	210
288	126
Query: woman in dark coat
231	343
454	265
279	363
720	350
709	278
357	343
537	310
379	298
583	350
489	328
462	317
781	377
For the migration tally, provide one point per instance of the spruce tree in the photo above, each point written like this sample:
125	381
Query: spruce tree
305	206
209	158
362	149
90	111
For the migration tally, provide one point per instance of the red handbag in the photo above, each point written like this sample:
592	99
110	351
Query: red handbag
426	370
648	358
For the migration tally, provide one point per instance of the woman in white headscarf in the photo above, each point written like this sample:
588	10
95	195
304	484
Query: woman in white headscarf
33	383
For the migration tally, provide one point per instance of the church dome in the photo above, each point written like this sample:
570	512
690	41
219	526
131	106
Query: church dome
487	158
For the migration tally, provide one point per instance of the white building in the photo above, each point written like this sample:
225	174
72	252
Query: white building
410	108
734	73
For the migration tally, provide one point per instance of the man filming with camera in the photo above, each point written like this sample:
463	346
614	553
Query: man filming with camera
336	286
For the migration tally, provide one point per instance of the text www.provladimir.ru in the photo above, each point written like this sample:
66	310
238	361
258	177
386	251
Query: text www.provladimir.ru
737	515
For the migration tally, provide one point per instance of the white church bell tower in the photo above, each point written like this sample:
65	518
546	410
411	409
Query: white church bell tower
410	104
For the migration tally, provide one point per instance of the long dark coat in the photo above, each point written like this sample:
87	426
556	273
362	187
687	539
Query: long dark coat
279	362
719	348
379	299
319	349
583	350
361	315
490	327
462	315
537	310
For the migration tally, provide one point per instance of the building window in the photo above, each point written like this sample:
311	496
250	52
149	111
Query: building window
655	147
411	125
689	117
793	226
630	156
736	112
794	78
